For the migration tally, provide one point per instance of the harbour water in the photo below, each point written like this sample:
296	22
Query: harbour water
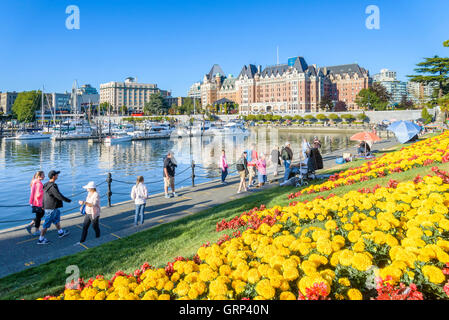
84	161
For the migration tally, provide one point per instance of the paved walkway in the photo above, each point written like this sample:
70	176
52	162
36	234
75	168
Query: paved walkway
19	250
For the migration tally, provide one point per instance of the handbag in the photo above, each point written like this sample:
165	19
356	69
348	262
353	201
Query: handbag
83	209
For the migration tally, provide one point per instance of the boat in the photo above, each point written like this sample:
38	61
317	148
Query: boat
196	130
118	138
28	136
234	128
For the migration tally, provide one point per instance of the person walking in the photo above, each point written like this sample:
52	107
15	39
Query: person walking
36	199
251	157
53	201
242	168
305	149
139	194
275	160
224	166
287	156
316	143
93	209
262	170
169	174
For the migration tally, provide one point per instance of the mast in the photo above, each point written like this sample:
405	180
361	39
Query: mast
42	108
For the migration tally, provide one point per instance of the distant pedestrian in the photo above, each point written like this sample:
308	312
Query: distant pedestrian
169	174
139	194
262	170
316	143
36	200
251	157
305	149
275	160
287	156
93	209
242	168
224	166
52	203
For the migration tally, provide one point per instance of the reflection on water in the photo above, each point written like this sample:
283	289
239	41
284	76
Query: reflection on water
83	161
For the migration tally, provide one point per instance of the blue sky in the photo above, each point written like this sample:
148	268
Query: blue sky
174	43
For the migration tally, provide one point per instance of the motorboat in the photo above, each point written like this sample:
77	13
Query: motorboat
234	128
28	136
118	138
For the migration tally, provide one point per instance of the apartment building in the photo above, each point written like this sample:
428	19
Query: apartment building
129	93
7	100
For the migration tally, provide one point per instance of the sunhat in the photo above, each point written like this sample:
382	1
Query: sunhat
90	185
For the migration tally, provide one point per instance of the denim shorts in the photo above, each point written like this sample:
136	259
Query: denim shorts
262	178
51	216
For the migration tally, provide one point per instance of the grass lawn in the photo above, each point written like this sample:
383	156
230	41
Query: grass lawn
163	243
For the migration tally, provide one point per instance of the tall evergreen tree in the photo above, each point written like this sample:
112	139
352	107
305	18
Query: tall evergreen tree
26	104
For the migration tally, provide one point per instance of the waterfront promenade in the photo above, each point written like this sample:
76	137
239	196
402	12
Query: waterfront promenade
19	251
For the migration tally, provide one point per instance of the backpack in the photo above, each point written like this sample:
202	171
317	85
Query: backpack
240	165
284	154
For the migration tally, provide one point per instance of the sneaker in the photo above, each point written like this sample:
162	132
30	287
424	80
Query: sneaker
167	196
238	192
43	241
174	194
63	234
77	244
37	233
28	228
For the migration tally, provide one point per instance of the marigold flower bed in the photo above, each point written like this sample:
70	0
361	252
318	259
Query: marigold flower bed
382	243
422	153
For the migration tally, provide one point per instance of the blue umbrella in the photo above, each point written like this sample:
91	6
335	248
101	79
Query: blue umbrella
404	130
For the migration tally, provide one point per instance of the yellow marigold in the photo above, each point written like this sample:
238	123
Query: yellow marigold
264	289
434	274
287	295
217	288
164	296
344	282
150	295
290	274
345	257
361	262
330	225
253	275
354	235
354	294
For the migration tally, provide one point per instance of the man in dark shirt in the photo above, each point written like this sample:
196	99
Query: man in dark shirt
52	202
169	174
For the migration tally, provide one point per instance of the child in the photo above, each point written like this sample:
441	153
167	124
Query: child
262	169
139	194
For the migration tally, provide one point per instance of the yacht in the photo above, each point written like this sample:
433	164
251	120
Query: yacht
27	136
118	137
234	128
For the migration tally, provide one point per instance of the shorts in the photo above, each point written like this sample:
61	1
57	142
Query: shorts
242	174
51	216
262	178
169	181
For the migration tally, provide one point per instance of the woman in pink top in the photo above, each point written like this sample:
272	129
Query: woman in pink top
36	198
224	166
262	170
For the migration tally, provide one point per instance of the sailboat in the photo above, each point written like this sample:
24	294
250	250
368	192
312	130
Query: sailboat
27	135
77	128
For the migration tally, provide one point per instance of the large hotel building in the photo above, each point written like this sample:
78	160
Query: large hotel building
131	94
295	87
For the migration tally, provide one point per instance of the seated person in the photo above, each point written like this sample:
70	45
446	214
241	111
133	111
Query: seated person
364	149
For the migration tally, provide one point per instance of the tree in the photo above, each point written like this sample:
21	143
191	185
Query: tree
123	110
157	105
381	92
433	70
334	117
373	98
443	102
321	117
405	103
340	106
426	116
362	117
105	107
446	43
348	117
26	104
326	103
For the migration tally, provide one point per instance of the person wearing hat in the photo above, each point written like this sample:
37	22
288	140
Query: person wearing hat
93	209
52	202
